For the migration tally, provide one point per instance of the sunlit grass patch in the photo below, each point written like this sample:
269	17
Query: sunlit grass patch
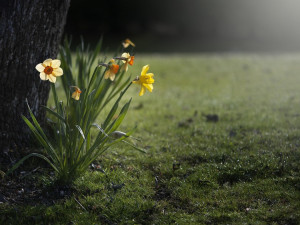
241	168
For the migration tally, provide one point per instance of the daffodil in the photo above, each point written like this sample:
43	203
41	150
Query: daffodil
127	42
127	59
111	71
145	80
49	70
76	93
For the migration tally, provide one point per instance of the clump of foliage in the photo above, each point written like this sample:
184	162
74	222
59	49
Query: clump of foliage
70	148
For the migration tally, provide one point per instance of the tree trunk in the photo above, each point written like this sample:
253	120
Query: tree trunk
30	32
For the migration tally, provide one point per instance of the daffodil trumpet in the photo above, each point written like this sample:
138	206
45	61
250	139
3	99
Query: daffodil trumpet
111	69
145	80
127	59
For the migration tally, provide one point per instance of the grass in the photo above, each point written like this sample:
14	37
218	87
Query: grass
241	168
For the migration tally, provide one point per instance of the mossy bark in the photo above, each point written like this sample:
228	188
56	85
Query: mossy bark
30	32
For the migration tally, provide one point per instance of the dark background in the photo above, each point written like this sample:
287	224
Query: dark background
189	25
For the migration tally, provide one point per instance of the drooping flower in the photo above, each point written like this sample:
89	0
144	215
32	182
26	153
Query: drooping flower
76	93
111	71
49	70
127	59
145	80
127	42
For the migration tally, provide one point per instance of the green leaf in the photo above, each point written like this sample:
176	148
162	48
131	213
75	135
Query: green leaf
55	96
135	147
97	125
28	156
54	113
114	108
50	151
116	123
80	131
113	94
37	125
96	52
111	114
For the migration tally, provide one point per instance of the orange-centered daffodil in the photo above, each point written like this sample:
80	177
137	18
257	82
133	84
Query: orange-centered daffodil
49	70
127	42
128	60
76	93
111	71
145	80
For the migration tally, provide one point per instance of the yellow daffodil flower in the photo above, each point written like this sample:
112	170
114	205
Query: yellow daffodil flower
128	60
145	80
111	70
49	70
76	93
127	42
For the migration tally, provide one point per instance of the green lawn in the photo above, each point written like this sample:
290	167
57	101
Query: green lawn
241	169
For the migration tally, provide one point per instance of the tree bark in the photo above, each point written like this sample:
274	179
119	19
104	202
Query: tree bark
30	32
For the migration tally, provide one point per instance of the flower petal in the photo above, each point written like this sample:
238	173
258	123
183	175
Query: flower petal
112	76
145	70
57	72
76	95
47	62
150	74
148	86
52	78
55	63
130	42
43	76
150	80
106	74
39	67
125	55
142	92
125	45
125	67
